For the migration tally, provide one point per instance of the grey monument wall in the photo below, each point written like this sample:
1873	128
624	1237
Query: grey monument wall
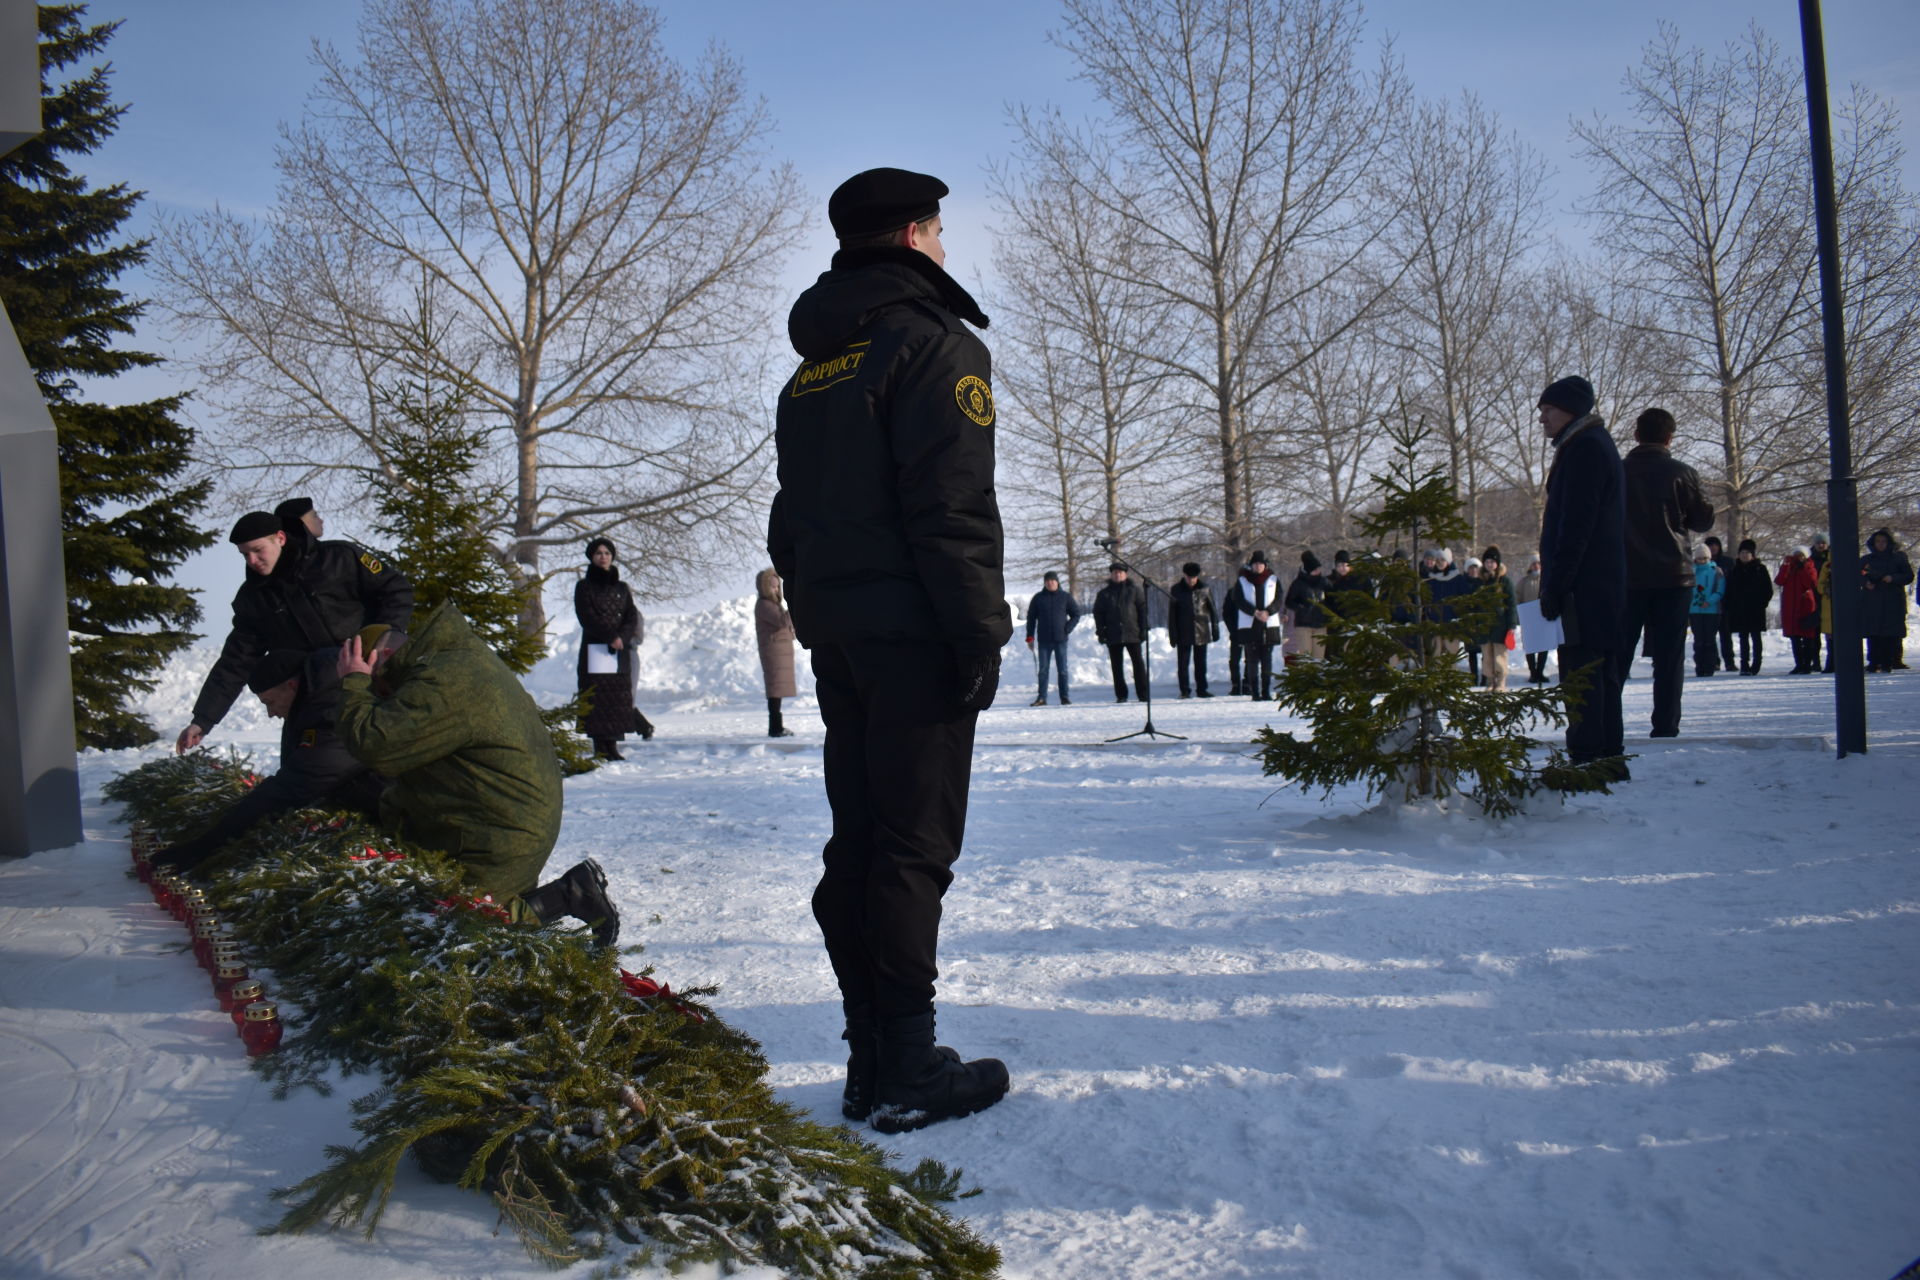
39	777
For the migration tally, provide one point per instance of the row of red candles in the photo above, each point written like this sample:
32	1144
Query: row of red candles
217	951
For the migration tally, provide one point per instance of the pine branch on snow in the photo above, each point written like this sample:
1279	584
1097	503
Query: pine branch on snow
513	1060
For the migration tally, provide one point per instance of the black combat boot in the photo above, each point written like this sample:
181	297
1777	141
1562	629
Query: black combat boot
919	1082
856	1100
582	895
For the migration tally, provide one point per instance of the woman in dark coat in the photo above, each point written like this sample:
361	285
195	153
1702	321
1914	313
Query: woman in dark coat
609	621
1749	592
773	628
1885	573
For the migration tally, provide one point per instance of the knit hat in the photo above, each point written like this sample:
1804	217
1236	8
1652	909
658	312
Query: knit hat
1801	551
1818	539
1715	543
1493	554
1701	553
273	669
1341	557
1190	570
1574	395
1473	562
1443	554
1309	561
1748	544
1258	557
253	526
1049	576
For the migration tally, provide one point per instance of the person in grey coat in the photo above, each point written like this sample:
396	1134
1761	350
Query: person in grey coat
1120	623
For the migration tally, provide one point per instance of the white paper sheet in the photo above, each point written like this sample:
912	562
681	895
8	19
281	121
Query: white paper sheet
602	660
1537	635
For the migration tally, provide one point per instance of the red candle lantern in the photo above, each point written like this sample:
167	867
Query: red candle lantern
206	929
261	1028
225	978
244	993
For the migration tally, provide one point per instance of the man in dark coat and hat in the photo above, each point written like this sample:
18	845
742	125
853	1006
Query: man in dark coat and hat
1583	565
299	593
886	531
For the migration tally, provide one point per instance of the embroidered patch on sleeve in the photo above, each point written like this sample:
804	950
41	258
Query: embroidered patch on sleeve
975	399
373	565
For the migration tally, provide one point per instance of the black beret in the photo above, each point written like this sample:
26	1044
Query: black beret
293	508
276	668
1574	395
881	200
254	525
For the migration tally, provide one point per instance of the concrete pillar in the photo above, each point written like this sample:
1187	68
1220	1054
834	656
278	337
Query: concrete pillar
39	776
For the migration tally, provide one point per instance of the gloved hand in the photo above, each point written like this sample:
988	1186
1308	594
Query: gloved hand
979	681
1550	607
182	857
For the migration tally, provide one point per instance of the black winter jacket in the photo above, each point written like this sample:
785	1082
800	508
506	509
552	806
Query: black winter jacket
1664	502
1051	615
1303	600
604	605
318	594
1583	548
1749	591
1120	614
886	525
1883	604
315	767
1191	617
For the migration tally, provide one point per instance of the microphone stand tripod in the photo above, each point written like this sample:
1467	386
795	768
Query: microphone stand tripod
1146	653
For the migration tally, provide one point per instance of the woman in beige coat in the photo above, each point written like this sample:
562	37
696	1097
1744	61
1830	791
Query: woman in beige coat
774	629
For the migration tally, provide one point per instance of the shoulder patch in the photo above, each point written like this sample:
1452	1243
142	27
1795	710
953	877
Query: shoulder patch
818	375
975	399
367	559
310	738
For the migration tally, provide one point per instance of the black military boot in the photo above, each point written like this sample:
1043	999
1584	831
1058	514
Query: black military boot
856	1100
582	895
919	1082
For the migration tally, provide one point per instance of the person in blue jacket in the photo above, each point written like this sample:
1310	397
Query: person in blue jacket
1709	591
1051	616
1583	565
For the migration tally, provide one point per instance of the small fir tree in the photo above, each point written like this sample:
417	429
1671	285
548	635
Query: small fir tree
127	517
1392	705
431	505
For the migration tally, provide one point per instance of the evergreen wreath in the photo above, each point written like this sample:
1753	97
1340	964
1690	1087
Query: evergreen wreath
596	1108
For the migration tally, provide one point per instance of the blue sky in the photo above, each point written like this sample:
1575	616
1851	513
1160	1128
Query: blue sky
922	86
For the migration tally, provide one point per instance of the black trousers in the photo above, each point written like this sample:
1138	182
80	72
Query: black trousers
1706	642
1257	678
1806	653
1196	654
1886	652
1662	612
1749	651
1234	654
1594	730
899	759
1537	667
1726	643
1133	651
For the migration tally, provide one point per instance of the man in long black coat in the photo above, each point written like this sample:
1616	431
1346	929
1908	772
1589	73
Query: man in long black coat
1193	623
886	531
299	594
1583	564
1120	623
1665	504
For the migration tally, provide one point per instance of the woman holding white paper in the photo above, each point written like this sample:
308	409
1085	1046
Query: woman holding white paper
609	630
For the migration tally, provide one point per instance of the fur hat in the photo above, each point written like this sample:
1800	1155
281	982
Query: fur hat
1309	561
1116	567
1190	570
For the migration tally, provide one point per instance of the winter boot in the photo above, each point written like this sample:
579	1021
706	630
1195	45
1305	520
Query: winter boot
856	1100
607	749
642	726
581	894
1040	701
777	727
918	1082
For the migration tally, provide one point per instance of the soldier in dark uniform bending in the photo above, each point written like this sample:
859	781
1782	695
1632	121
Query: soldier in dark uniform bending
316	769
887	534
300	593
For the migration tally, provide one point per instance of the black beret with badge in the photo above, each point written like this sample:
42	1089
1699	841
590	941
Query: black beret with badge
881	200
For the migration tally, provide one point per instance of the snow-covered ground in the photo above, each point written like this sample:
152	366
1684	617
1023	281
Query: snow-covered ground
1673	1032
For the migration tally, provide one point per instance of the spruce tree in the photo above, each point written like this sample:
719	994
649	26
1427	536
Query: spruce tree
1392	705
430	503
127	518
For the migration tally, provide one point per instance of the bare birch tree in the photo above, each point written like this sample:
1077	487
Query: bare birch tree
1474	203
592	220
1243	135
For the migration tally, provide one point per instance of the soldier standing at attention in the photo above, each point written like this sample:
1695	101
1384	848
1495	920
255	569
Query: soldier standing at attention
886	532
